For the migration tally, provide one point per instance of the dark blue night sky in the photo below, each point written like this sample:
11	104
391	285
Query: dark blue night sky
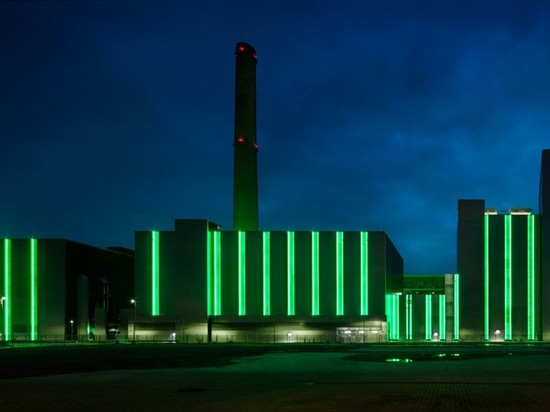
118	116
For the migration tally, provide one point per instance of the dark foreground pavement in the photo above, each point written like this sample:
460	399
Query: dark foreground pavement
288	381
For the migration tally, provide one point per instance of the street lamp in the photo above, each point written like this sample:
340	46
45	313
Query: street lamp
133	302
72	323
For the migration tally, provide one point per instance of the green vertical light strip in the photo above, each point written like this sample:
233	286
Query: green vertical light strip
531	277
209	274
456	307
34	289
395	304
266	273
486	277
242	271
428	322
507	277
7	289
217	269
442	320
314	273
339	273
408	303
364	273
290	272
155	276
389	317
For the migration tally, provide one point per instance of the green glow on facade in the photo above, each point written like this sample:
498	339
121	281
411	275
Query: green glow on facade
7	289
395	302
428	317
209	272
507	277
530	277
408	300
217	274
364	273
442	314
266	273
456	323
339	273
314	273
486	277
155	276
241	264
290	272
392	316
34	289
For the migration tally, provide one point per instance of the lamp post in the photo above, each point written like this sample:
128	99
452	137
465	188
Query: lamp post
72	324
133	302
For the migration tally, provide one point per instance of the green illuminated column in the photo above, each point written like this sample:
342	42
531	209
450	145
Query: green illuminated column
508	277
242	272
34	289
155	273
428	317
364	273
395	305
7	289
209	274
389	317
216	277
456	322
266	273
531	277
408	300
290	273
486	277
339	273
314	273
442	314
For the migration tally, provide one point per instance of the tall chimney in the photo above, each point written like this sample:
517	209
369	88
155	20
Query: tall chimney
245	178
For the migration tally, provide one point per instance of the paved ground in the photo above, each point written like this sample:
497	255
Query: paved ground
330	381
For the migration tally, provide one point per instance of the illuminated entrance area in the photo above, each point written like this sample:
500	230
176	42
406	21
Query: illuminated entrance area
360	334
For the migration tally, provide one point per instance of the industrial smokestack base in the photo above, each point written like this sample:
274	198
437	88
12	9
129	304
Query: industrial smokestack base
245	178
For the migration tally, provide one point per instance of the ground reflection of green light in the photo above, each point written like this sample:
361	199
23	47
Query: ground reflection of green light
455	354
440	355
404	360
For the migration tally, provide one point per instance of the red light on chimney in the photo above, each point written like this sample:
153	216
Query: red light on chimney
241	48
240	139
254	56
255	145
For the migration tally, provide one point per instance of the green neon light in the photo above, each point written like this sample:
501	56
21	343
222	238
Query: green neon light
155	275
364	273
389	317
428	317
395	304
209	271
34	289
266	273
530	277
339	273
7	289
486	277
456	307
507	277
217	274
314	273
442	314
242	272
408	302
290	272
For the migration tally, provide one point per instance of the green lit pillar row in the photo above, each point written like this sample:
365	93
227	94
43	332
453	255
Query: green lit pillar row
395	304
507	277
339	273
409	320
266	260
241	264
530	277
428	322
364	273
442	314
290	273
7	289
155	276
392	316
34	289
314	273
456	323
486	277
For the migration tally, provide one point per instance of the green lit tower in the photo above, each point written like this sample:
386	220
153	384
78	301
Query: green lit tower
544	211
245	179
